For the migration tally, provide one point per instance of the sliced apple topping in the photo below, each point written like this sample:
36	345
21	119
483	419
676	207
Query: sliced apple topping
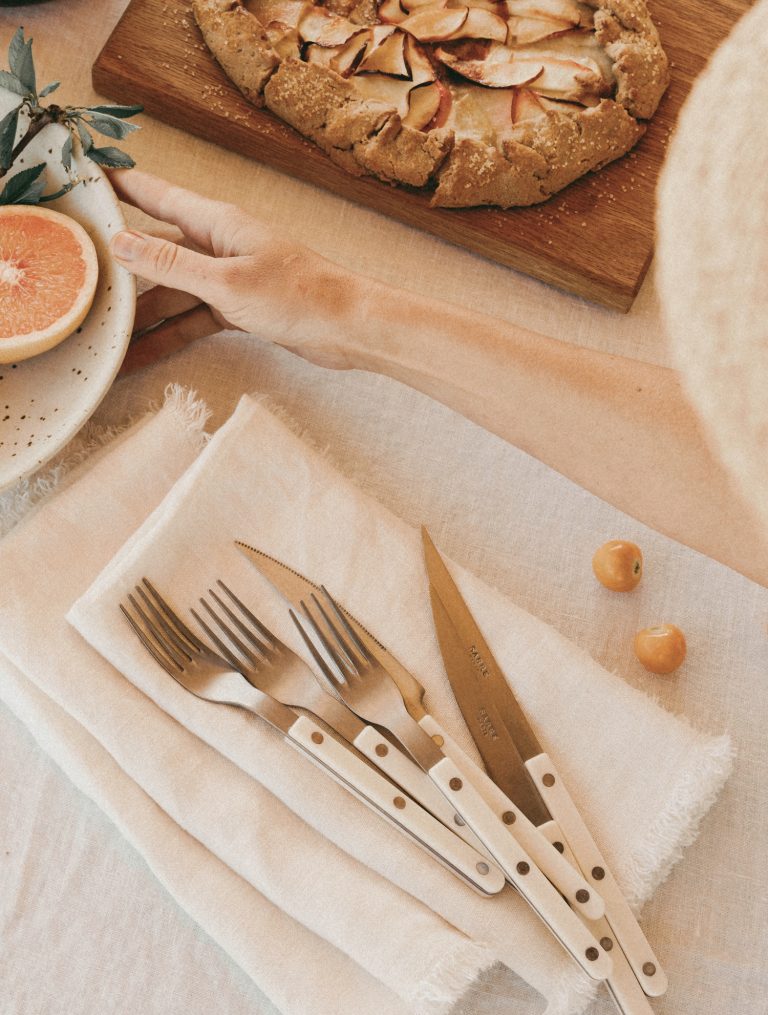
482	24
572	80
388	57
325	29
526	105
524	31
501	68
567	11
283	39
286	11
391	12
389	91
423	104
420	66
415	5
347	57
435	26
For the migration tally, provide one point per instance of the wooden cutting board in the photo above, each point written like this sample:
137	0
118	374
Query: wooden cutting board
594	239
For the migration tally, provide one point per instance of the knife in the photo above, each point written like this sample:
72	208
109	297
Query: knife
295	587
488	704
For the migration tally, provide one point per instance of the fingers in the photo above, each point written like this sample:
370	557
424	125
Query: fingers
169	264
204	221
168	338
158	304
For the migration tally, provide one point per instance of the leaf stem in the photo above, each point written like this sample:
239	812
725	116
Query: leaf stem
35	126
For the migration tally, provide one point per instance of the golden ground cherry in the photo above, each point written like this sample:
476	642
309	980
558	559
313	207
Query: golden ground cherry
618	564
660	649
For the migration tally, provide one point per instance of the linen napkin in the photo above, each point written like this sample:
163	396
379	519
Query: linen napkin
403	923
259	482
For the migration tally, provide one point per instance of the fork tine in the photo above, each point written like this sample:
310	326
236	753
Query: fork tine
183	648
166	662
225	651
346	624
229	634
157	635
262	648
325	669
170	614
341	660
341	641
266	634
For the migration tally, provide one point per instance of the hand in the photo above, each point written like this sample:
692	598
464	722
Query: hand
230	271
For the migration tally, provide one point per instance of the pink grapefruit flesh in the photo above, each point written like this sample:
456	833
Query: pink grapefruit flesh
48	276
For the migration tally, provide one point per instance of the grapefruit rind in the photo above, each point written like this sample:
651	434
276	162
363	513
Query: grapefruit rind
15	348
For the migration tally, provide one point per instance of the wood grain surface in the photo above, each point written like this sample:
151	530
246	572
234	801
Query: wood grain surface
594	239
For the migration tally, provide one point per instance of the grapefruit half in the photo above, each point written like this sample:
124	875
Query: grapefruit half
48	275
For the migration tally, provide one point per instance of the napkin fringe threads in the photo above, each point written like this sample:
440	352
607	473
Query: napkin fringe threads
29	493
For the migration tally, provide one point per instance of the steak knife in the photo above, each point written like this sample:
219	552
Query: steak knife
510	749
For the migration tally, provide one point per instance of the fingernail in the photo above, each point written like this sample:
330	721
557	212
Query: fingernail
126	246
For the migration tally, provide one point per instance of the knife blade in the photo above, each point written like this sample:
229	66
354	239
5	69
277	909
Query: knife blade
479	684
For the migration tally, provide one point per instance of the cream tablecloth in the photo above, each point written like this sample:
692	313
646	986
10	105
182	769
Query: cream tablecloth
84	928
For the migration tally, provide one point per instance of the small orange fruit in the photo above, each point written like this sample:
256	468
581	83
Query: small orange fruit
660	649
618	564
48	276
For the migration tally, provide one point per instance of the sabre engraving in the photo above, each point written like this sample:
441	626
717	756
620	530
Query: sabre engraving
486	724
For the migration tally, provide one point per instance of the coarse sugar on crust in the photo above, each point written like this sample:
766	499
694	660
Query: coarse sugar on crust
565	129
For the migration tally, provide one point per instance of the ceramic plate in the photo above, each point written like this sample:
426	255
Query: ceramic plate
45	400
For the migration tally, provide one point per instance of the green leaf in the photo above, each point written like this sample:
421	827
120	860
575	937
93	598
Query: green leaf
111	157
12	83
49	88
20	60
111	126
66	153
60	193
25	187
8	127
121	112
86	139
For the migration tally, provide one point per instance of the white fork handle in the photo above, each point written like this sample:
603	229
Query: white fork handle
622	983
407	774
639	953
582	897
364	782
521	870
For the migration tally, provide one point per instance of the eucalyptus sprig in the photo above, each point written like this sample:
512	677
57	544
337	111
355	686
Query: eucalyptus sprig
28	186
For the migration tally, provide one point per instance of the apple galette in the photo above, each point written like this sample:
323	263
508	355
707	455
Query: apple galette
500	102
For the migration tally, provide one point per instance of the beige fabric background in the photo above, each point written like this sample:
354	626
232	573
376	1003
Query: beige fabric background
83	926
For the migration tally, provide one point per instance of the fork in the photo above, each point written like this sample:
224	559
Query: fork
363	683
212	677
246	644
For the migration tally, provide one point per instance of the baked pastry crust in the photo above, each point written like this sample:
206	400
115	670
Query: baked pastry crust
488	142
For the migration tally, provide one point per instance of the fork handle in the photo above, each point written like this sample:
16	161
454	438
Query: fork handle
622	984
581	896
399	767
364	782
634	943
520	869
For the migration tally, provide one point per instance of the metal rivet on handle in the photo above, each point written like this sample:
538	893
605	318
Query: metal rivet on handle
606	943
523	867
592	954
455	783
382	750
509	817
483	868
317	738
399	802
559	847
438	739
648	968
458	820
548	779
598	873
582	895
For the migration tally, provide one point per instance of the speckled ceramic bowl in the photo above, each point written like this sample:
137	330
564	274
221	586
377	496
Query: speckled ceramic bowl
45	400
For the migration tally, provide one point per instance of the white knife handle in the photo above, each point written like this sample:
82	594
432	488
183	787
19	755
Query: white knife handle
521	870
622	983
379	794
639	953
415	782
565	877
